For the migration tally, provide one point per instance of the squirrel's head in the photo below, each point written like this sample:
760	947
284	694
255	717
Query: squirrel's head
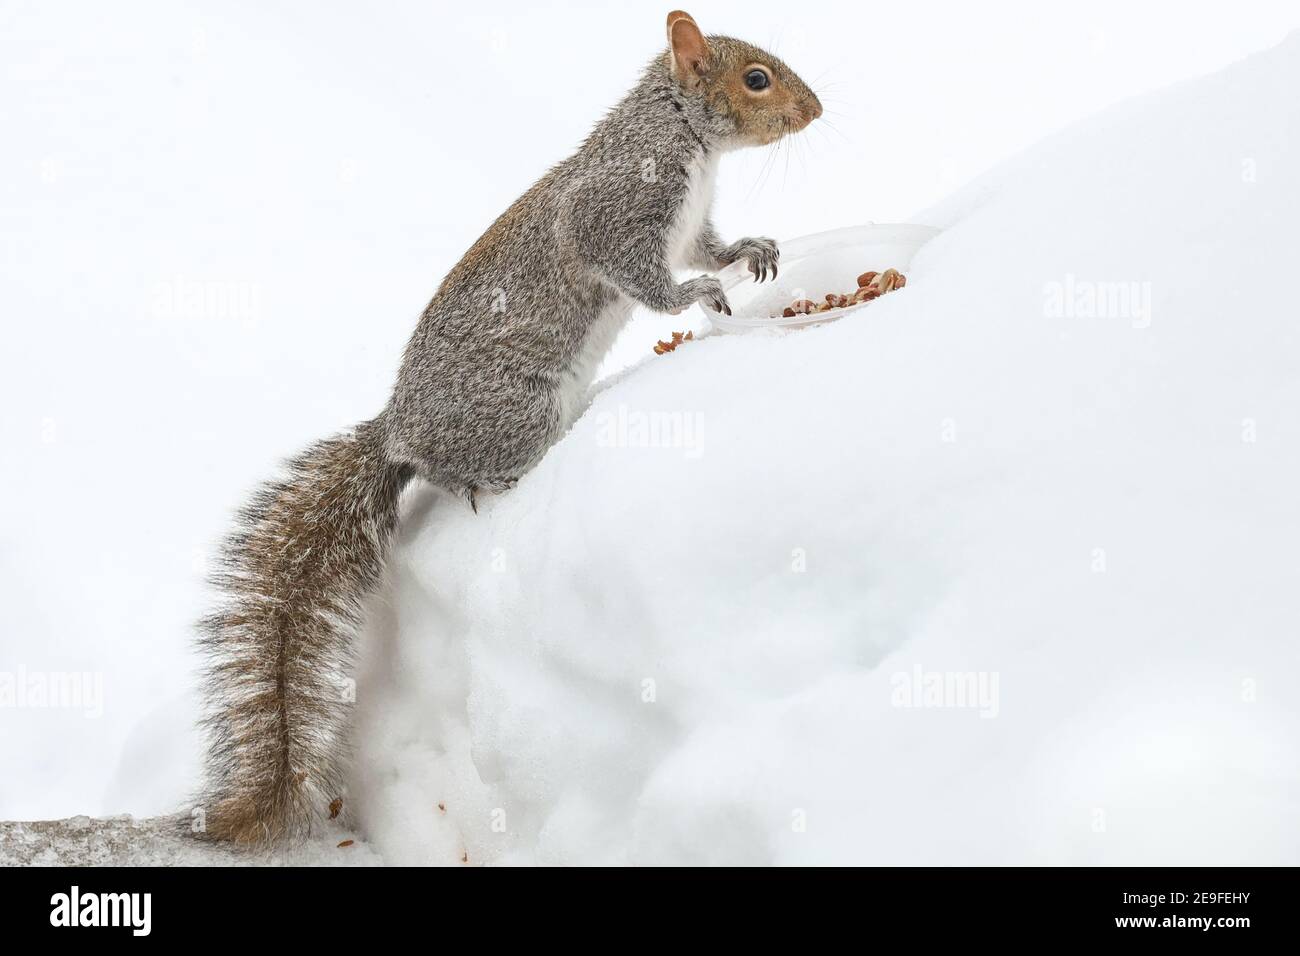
749	87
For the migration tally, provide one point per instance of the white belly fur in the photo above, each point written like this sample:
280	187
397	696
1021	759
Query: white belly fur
600	339
606	327
694	211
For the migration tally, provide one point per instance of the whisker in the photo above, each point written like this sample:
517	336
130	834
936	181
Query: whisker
758	181
827	125
804	145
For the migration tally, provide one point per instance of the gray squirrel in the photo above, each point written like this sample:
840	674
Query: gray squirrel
496	370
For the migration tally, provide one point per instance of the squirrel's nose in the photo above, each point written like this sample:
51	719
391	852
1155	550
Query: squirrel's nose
813	109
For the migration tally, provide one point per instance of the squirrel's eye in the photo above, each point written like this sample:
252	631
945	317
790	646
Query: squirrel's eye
756	80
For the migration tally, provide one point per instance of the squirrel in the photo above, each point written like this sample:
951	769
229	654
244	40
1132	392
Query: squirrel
495	372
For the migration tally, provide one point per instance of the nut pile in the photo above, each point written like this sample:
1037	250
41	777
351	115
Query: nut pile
871	285
661	346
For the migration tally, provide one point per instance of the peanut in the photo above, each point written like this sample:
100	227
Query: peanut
871	285
661	347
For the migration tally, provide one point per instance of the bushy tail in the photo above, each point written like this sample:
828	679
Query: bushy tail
293	576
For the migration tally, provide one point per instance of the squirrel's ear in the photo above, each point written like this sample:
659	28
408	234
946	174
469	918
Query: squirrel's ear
690	54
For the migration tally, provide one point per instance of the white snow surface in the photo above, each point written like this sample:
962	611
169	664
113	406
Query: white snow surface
218	224
162	841
701	653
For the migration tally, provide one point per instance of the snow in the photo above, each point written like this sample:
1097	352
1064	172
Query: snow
1057	472
123	841
217	227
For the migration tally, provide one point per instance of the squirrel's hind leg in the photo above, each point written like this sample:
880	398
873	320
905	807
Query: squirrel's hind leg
493	486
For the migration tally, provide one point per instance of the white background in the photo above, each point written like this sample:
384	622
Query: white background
329	162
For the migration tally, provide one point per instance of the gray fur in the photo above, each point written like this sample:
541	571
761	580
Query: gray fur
480	396
495	371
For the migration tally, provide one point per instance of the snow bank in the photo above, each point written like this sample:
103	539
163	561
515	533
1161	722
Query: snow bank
1001	570
123	841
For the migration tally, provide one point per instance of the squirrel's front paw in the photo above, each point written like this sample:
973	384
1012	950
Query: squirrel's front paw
708	290
761	255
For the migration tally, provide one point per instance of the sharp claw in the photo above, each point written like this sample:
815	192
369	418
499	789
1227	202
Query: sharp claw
774	272
728	308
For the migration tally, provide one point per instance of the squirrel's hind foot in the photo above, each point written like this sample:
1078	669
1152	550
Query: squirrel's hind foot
493	486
